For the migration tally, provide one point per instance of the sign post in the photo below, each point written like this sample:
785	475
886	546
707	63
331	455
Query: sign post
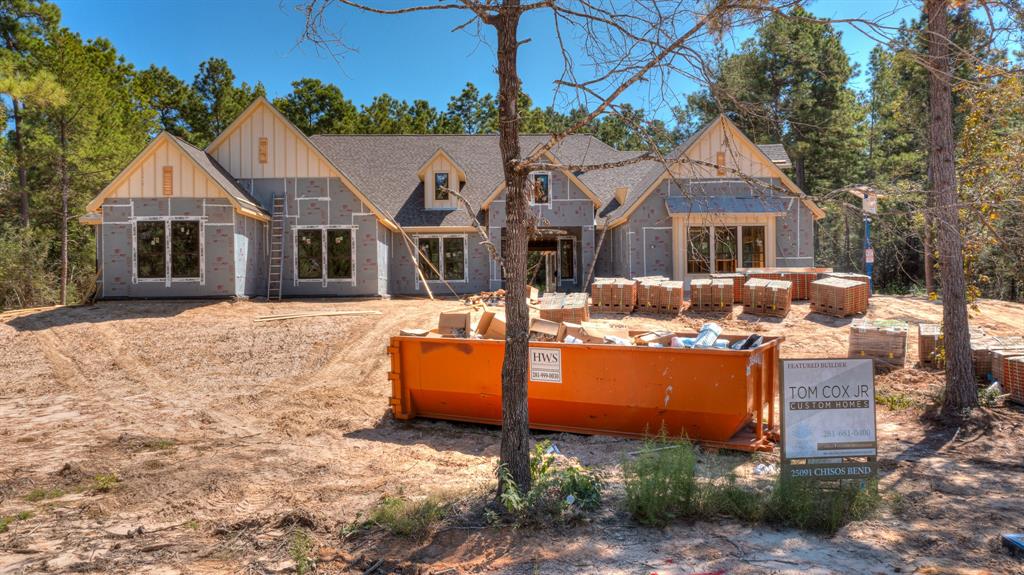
828	419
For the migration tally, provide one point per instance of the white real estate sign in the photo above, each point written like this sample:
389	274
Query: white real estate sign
828	408
546	364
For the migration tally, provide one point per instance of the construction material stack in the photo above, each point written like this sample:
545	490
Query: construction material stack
864	279
929	338
882	340
615	295
838	297
801	278
981	353
647	293
711	294
777	298
753	291
559	307
671	297
1000	357
737	283
1014	385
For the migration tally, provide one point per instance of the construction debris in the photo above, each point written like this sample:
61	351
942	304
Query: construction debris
278	317
883	340
489	298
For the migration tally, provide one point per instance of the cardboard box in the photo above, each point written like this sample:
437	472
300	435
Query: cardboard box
566	329
455	323
596	332
496	327
543	330
484	322
663	338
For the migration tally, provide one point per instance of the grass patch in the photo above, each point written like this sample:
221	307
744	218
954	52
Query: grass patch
894	401
406	517
104	482
6	520
158	444
39	494
300	548
664	484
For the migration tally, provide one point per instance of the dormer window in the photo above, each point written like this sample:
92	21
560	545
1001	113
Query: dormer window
441	186
541	192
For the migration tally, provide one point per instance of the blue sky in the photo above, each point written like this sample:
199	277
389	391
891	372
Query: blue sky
410	56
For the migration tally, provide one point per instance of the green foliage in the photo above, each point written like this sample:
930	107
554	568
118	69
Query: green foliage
561	493
6	520
663	483
26	276
300	548
894	401
406	517
42	493
804	504
104	482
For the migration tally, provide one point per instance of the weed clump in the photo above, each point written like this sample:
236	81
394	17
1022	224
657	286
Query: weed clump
557	493
406	517
39	494
104	482
301	549
664	483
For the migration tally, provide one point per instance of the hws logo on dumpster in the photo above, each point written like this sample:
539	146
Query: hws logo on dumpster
546	364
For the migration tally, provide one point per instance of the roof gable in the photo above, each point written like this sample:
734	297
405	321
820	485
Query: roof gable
554	164
193	174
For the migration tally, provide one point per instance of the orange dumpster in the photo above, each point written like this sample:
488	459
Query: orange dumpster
715	396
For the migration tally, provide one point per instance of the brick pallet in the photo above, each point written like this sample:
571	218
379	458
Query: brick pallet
711	295
865	279
671	297
616	295
1015	379
929	336
999	359
562	307
737	283
647	294
801	278
882	340
777	298
839	297
981	352
752	290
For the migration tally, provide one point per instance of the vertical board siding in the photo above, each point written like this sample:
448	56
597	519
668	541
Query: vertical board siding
146	180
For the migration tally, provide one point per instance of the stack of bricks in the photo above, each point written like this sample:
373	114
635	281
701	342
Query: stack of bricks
711	295
929	336
616	295
1015	379
563	307
981	353
777	298
737	283
1000	357
882	340
671	297
801	279
648	292
864	279
838	297
753	291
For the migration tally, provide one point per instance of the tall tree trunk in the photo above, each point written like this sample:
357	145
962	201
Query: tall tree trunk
515	435
929	262
65	185
19	158
961	393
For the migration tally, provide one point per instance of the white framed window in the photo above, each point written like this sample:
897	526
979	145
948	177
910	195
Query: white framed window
167	249
725	248
442	257
441	187
324	254
540	188
567	259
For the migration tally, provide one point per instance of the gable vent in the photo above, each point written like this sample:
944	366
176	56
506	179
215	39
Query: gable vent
168	181
263	150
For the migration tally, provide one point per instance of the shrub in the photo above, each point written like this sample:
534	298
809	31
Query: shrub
301	548
104	482
804	504
661	483
407	517
557	493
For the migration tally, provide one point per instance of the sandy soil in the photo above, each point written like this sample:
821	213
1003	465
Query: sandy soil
224	434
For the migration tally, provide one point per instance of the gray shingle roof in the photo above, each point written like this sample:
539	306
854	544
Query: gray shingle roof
219	174
777	154
384	167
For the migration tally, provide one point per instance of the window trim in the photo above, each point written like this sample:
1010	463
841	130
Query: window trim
440	245
323	280
168	279
572	241
712	230
447	176
532	179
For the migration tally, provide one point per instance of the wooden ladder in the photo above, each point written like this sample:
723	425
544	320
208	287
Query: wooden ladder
276	249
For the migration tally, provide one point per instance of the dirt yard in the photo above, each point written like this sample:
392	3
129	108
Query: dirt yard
182	437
